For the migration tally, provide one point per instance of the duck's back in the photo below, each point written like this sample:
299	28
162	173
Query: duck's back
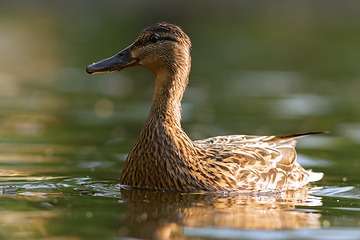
255	162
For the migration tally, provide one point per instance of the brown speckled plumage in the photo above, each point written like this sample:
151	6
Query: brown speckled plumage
164	157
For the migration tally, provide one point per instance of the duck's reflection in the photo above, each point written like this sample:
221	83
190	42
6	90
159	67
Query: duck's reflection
160	215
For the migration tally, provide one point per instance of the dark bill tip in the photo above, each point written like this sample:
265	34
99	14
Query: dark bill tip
90	70
107	65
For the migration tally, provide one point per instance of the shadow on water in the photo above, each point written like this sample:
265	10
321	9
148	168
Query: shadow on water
37	207
165	215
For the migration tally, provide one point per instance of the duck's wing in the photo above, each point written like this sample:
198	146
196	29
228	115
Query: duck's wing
242	140
255	162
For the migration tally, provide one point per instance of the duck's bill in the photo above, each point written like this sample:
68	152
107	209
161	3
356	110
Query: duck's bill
117	62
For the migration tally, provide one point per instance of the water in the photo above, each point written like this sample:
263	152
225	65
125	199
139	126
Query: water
258	68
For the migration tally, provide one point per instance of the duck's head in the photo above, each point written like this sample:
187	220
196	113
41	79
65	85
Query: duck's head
161	48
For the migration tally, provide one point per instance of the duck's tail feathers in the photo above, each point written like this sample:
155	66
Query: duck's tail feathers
315	176
297	135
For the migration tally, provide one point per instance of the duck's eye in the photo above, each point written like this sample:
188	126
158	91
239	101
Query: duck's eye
154	38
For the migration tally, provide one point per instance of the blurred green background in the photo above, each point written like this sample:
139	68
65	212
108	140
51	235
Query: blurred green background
258	67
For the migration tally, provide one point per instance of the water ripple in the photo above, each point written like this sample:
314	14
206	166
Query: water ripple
343	192
221	233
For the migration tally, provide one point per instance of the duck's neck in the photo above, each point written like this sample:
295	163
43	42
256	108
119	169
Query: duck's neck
169	89
162	147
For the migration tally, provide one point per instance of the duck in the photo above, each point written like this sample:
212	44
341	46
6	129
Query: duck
165	158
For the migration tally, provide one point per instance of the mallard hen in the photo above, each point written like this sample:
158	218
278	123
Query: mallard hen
164	157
